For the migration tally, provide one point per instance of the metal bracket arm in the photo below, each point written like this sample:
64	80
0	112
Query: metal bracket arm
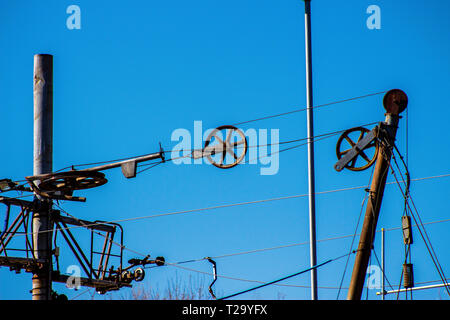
100	285
56	216
129	166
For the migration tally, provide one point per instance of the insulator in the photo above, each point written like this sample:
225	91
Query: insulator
160	261
407	231
139	274
127	276
408	278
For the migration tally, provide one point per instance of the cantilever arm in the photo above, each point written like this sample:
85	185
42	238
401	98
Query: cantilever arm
129	166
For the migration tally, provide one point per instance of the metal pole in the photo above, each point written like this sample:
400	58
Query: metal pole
310	128
382	263
42	163
395	102
434	286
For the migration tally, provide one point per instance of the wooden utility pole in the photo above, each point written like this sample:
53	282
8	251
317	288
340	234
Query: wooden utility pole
395	102
42	163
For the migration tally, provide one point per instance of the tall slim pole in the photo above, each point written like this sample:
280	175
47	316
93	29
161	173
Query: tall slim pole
42	163
310	128
395	101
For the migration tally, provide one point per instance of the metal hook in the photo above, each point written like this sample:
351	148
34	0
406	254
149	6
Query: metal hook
215	276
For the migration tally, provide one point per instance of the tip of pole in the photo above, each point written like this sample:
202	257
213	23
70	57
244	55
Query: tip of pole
43	58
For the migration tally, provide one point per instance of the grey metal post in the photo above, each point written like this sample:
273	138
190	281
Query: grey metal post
42	163
382	263
310	128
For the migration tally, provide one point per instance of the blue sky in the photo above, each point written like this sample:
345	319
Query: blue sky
138	70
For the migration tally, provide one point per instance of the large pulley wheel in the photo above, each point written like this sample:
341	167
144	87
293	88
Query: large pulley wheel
365	158
228	146
67	182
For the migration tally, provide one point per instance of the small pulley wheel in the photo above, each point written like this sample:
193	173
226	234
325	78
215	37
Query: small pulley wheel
229	146
365	158
67	182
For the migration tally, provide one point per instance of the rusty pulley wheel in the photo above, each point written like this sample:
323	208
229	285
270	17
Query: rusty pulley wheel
228	145
67	182
365	157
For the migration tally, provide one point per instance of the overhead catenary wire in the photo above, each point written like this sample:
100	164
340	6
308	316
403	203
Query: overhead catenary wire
280	246
236	124
321	137
262	282
255	281
285	246
153	164
240	204
305	108
361	187
287	277
345	189
177	264
249	251
185	268
243	279
192	260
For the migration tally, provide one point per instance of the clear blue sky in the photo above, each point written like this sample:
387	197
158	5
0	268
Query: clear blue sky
138	70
